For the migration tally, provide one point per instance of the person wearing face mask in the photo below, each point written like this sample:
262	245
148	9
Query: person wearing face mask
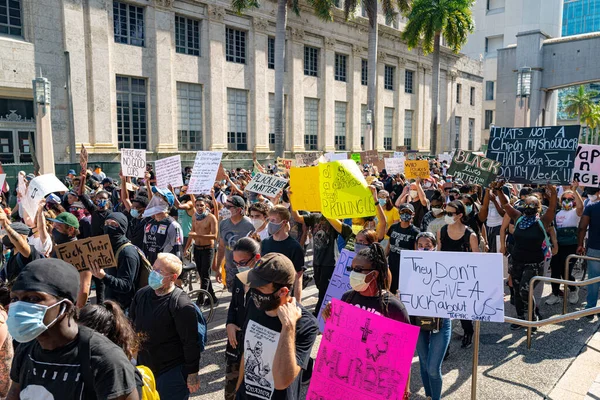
246	253
162	233
204	235
258	216
474	222
120	283
281	242
274	368
434	219
184	203
22	253
391	213
402	237
134	210
42	317
592	196
492	213
415	196
166	316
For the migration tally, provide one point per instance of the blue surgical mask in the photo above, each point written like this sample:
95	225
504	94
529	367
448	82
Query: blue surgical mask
102	203
382	202
26	320
155	280
469	209
359	246
134	213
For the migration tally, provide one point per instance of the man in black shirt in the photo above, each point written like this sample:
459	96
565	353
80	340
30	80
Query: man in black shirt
21	252
402	237
279	333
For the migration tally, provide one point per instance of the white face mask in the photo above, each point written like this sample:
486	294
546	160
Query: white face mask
593	197
414	194
257	223
357	281
449	220
437	211
156	206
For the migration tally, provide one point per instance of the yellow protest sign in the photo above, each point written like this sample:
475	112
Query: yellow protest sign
414	169
344	191
304	183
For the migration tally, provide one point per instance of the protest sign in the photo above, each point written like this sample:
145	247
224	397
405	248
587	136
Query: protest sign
331	156
362	356
38	188
414	169
83	157
355	157
535	155
284	163
339	282
168	172
398	154
587	165
394	166
344	191
204	173
452	285
2	180
133	162
402	149
95	251
306	159
369	157
471	168
304	184
267	185
446	157
412	155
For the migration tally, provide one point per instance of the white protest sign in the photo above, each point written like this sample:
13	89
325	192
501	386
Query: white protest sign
38	188
398	154
331	156
2	180
168	171
339	283
586	170
452	285
394	166
205	171
445	157
267	185
133	162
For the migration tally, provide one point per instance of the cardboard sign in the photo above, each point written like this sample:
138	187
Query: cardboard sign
94	251
471	168
402	149
83	157
587	165
535	155
133	162
284	163
394	166
414	169
304	183
339	283
267	185
168	172
38	188
369	157
306	159
452	285
204	173
362	356
344	191
355	157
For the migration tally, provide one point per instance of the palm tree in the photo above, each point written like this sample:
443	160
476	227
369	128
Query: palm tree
592	120
323	9
580	103
428	21
389	10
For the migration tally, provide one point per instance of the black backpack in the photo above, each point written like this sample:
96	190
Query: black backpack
145	266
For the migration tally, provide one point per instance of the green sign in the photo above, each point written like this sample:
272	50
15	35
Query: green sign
472	168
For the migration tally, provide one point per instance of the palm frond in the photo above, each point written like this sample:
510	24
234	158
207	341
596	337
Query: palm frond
350	7
239	6
294	6
323	9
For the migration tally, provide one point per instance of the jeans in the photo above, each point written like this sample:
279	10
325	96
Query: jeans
431	348
322	277
521	275
172	384
557	265
204	259
593	270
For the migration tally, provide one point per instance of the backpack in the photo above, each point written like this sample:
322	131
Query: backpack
202	324
546	244
145	266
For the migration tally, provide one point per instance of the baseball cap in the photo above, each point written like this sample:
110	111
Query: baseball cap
166	194
107	180
67	219
71	172
406	206
237	201
30	177
272	268
49	275
20	228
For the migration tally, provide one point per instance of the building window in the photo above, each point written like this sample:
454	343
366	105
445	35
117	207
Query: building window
388	81
363	9
311	61
495	5
187	36
471	133
408	127
489	90
388	127
311	123
131	112
458	92
271	52
363	124
128	21
457	121
237	116
472	96
10	18
492	44
408	81
392	22
189	116
235	45
489	118
364	72
272	120
340	67
340	125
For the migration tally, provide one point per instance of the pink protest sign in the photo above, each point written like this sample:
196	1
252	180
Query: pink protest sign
362	356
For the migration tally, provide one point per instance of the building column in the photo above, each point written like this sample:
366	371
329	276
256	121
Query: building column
216	121
327	108
398	139
354	105
378	114
450	111
296	97
259	95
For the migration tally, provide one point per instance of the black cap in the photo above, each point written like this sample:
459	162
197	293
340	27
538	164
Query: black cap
108	180
20	228
406	206
272	268
49	275
237	201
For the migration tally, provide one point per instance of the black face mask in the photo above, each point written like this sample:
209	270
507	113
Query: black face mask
530	211
59	237
265	302
7	243
110	230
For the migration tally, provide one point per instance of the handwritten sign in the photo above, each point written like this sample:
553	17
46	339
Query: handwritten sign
414	169
394	166
452	285
304	184
94	251
355	157
587	165
168	171
267	185
445	157
471	168
339	283
204	172
83	157
344	191
306	159
331	156
398	154
369	157
38	188
535	155
284	163
374	352
133	162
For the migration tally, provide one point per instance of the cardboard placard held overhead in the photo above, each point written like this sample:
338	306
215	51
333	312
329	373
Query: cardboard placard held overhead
587	165
168	172
414	169
266	184
133	162
304	185
537	155
95	251
204	173
370	157
338	284
284	164
471	168
394	166
307	159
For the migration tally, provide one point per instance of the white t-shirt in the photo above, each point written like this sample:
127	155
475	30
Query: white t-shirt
567	219
42	248
494	218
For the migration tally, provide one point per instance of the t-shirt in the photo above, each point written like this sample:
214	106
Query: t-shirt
593	211
231	233
567	223
392	216
494	218
185	221
135	229
324	239
261	337
528	244
420	211
401	239
57	374
388	305
17	262
42	248
288	247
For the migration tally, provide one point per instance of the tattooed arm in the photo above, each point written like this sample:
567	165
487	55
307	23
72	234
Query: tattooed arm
6	356
16	239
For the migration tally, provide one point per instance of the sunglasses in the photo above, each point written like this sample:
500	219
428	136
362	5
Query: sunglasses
531	206
359	270
243	263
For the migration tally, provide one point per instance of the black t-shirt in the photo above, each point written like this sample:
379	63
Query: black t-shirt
57	374
261	336
17	262
288	247
528	244
420	211
400	239
324	239
135	229
376	305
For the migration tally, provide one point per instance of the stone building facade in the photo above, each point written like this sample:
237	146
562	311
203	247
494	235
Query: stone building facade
184	75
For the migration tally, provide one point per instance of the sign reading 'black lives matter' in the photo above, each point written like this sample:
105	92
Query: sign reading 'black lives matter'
471	168
535	155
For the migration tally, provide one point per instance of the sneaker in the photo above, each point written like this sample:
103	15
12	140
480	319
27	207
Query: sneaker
574	296
515	327
552	300
307	373
467	341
